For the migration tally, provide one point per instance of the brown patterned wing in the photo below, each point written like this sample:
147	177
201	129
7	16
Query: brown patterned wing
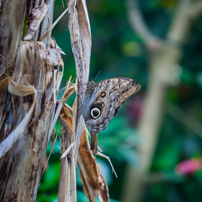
103	99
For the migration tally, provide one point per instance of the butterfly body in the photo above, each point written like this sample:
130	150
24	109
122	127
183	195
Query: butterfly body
103	99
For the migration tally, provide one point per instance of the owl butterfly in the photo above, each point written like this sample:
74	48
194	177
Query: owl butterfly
103	99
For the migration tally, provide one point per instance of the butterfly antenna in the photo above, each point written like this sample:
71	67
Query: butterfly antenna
97	75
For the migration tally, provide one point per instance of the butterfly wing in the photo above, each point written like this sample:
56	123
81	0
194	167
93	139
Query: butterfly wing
103	99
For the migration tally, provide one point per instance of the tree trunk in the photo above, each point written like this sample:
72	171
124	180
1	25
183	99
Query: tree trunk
25	116
163	64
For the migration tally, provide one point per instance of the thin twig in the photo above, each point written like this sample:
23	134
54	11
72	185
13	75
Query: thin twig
52	26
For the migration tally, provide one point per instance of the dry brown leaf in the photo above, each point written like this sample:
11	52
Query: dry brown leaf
93	182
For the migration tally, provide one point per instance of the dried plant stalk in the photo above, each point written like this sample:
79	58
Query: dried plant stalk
66	171
93	182
79	28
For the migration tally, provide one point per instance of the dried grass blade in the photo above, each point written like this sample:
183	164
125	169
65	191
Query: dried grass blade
52	26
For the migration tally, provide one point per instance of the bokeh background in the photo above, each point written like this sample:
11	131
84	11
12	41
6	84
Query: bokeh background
154	142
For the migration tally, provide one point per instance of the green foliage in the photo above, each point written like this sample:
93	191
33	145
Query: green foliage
49	184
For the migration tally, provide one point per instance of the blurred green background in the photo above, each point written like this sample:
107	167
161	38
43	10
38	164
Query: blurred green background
119	51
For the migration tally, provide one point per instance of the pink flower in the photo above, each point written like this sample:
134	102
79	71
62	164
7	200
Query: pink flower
189	166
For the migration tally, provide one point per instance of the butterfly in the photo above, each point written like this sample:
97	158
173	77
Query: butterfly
103	99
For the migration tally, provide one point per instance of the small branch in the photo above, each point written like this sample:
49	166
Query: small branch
139	26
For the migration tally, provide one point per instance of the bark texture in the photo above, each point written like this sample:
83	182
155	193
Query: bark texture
26	64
